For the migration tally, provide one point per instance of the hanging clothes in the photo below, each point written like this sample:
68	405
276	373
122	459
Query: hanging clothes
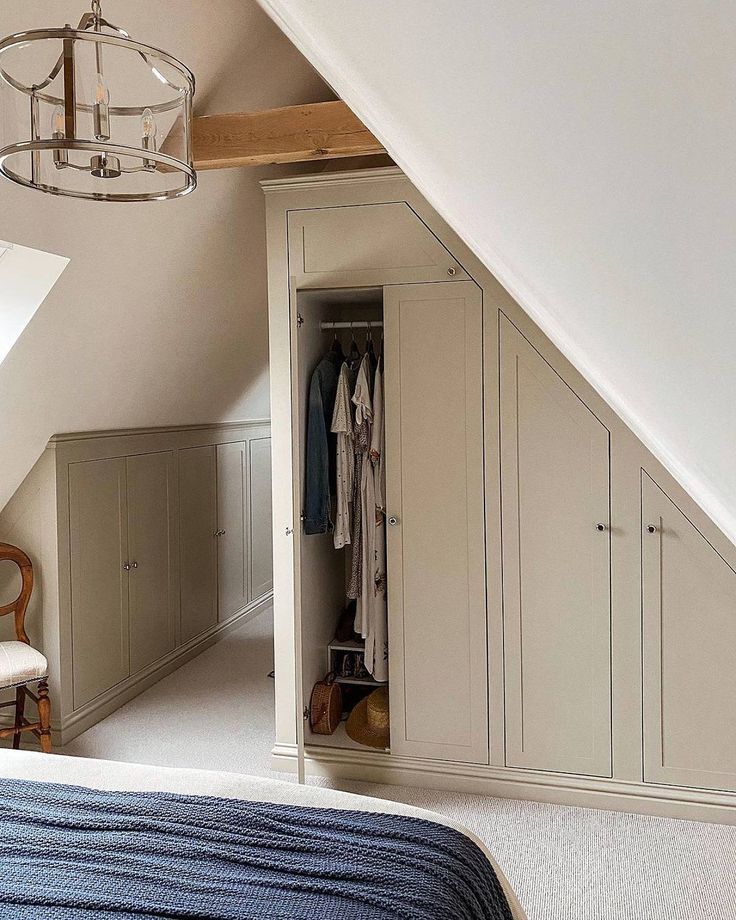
361	485
342	426
320	461
375	619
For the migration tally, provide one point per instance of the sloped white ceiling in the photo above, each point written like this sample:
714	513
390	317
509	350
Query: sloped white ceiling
160	317
586	152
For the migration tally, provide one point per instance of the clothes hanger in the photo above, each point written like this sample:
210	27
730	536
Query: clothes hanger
337	348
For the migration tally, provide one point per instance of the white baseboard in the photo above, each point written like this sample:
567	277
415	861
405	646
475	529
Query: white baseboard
507	782
102	706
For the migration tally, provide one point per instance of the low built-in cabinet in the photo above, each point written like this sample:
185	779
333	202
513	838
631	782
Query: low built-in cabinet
162	539
562	615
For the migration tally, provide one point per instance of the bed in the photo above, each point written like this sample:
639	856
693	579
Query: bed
66	820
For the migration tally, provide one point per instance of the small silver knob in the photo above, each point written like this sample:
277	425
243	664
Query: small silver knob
652	528
600	526
126	566
393	521
134	565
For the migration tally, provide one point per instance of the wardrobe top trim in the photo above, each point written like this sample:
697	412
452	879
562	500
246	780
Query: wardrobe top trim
165	429
352	177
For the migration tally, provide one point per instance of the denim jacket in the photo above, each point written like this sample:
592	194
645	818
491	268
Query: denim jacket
320	467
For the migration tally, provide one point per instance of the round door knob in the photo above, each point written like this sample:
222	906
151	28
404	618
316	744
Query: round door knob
393	521
126	566
600	526
652	528
134	565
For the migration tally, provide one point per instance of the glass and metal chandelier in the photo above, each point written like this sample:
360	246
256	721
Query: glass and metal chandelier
91	113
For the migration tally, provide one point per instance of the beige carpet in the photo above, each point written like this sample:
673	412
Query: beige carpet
565	863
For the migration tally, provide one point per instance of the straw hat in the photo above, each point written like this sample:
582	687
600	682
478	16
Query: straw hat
368	722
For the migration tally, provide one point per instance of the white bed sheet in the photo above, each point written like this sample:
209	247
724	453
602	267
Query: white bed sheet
107	774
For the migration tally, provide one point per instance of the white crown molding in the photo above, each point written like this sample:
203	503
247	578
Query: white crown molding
164	429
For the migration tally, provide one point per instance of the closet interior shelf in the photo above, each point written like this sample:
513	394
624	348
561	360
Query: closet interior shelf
358	324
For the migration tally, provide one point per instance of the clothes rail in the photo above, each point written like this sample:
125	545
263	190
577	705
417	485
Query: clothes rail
360	324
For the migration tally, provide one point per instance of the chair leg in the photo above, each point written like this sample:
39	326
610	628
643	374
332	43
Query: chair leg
44	716
20	702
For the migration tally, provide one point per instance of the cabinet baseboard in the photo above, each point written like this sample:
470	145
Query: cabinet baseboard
67	728
507	782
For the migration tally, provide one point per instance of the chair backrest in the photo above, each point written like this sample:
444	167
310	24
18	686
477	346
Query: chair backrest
20	604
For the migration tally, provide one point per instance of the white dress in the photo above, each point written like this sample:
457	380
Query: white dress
342	426
376	634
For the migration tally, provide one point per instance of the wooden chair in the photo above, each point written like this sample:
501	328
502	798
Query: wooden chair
20	664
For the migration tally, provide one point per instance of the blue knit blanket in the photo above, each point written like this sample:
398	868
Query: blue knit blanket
69	852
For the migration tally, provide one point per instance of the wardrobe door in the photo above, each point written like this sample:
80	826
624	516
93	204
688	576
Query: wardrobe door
436	558
197	540
98	542
231	523
689	608
261	527
555	483
364	245
152	546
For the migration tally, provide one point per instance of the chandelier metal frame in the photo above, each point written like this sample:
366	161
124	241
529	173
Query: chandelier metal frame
104	162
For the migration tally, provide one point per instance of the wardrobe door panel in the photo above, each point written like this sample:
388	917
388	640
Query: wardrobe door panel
198	540
436	559
231	518
365	244
99	583
689	607
261	527
555	481
152	536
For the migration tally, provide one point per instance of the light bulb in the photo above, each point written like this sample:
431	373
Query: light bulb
102	93
148	125
101	114
58	132
58	126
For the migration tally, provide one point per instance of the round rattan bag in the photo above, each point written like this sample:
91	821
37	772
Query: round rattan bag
325	706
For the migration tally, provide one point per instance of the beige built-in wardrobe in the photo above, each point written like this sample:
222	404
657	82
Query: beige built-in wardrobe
148	546
561	614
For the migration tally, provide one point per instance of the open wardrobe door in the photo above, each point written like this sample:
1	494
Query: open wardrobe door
435	515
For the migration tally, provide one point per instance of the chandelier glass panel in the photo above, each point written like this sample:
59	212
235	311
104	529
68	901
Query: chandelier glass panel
91	113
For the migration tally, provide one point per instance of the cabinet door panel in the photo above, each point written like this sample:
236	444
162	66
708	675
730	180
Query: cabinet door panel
365	244
436	558
197	540
231	517
555	490
98	541
261	527
152	547
689	608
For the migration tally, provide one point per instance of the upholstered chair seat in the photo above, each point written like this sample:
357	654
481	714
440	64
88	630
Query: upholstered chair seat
20	664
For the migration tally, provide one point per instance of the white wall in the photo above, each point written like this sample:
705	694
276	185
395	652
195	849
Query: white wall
586	153
160	317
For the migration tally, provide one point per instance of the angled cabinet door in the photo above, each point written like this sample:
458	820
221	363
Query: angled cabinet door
98	532
153	556
365	244
232	563
555	485
436	534
198	540
689	609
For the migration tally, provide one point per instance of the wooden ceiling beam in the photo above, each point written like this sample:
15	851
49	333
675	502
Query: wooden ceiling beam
295	134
